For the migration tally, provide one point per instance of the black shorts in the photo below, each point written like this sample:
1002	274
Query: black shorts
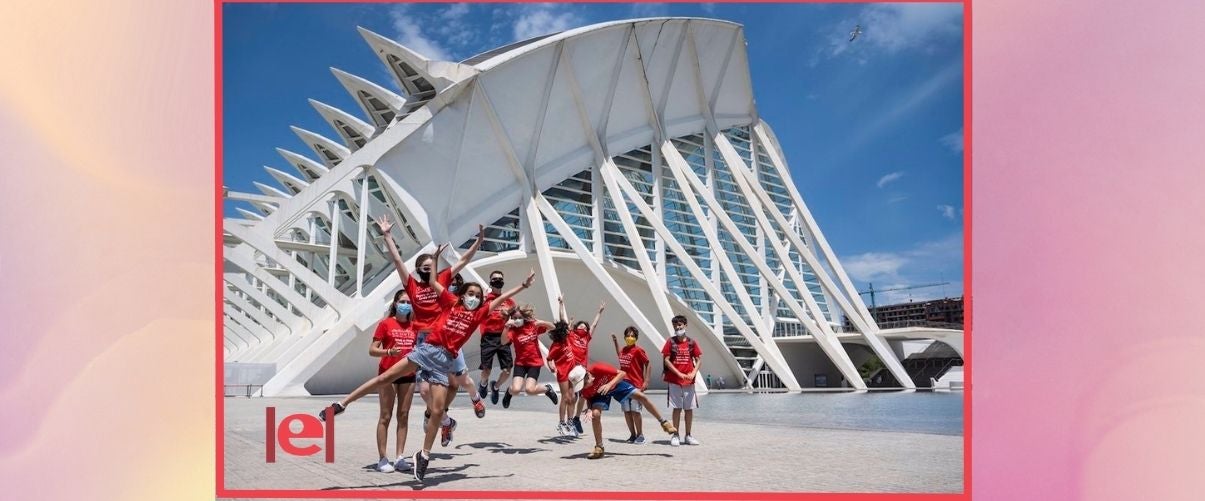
522	371
491	344
404	379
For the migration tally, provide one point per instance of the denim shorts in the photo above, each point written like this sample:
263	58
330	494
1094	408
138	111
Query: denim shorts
621	393
458	365
434	363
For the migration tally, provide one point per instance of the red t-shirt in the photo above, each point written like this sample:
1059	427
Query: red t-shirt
454	327
526	339
603	374
684	361
424	300
394	334
562	357
632	361
579	340
495	323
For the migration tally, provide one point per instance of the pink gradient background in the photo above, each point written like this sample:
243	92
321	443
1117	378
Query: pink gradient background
1088	215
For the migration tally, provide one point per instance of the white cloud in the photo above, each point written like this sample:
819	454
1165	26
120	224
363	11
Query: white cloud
897	199
874	265
410	34
892	28
455	11
930	262
544	19
896	27
889	178
947	211
953	141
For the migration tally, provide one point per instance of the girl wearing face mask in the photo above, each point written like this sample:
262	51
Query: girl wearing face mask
560	362
393	340
523	330
634	362
579	340
424	298
434	359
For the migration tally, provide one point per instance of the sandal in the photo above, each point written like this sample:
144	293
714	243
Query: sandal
597	453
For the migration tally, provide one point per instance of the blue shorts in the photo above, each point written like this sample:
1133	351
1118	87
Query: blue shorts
458	365
621	393
434	363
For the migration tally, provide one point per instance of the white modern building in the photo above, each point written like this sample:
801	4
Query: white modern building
625	161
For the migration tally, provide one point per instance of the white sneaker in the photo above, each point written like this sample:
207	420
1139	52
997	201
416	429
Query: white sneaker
384	466
675	441
561	431
402	465
691	440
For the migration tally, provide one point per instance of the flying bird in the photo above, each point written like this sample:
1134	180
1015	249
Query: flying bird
854	34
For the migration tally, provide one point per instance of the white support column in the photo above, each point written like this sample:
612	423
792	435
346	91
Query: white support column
656	285
650	330
239	282
240	256
744	182
810	223
825	338
273	326
266	245
333	256
362	235
712	288
552	285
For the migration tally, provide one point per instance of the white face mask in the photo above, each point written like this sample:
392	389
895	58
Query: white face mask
515	322
472	302
680	332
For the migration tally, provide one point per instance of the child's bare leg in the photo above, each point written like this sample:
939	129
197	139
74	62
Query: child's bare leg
596	424
438	395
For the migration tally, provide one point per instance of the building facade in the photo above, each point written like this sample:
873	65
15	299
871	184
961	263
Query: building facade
625	162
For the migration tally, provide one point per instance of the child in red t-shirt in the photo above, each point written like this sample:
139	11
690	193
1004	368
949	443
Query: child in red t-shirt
598	385
462	313
523	331
634	362
394	338
560	361
681	356
579	340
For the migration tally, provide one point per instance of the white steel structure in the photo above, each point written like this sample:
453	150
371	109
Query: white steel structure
625	161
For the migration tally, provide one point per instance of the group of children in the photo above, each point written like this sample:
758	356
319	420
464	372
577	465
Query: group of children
435	314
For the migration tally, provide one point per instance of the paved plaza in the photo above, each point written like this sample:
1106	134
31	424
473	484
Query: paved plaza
517	449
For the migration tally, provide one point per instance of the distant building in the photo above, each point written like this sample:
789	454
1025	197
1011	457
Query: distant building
944	313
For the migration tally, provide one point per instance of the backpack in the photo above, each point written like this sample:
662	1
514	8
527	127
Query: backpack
673	351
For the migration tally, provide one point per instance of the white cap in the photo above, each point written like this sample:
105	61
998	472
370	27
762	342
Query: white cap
577	378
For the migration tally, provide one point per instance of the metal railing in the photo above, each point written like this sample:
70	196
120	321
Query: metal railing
241	390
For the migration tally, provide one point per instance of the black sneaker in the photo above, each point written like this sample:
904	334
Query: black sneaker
339	408
506	401
577	425
481	390
493	392
631	439
551	393
420	466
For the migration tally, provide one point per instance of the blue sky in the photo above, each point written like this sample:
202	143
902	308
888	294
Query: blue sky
872	129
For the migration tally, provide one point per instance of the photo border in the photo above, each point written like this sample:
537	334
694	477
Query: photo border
223	492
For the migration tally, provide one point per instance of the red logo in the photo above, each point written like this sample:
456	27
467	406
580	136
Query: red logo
311	428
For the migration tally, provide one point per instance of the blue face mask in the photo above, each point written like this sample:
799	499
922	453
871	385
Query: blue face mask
403	309
452	289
